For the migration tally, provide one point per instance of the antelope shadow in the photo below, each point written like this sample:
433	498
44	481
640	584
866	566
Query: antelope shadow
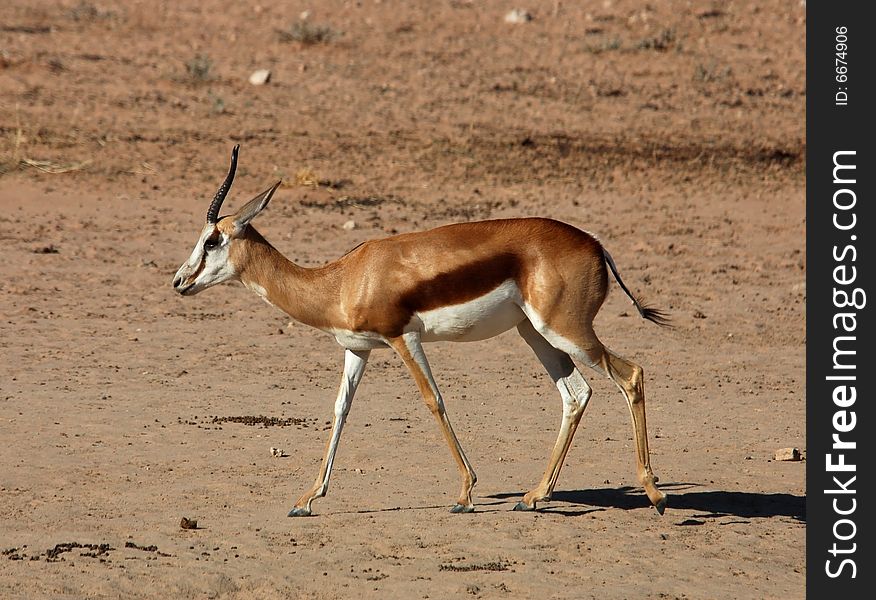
707	503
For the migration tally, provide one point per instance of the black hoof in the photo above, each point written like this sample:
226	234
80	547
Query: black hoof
661	505
299	512
523	506
462	508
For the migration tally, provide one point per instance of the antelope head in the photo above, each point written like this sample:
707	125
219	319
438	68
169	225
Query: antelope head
211	261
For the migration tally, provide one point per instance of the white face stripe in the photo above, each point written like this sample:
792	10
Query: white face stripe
211	267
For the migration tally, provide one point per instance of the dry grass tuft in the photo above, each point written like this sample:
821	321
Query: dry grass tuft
55	168
306	177
198	69
308	34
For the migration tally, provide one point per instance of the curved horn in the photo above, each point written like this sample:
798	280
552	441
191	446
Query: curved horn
216	204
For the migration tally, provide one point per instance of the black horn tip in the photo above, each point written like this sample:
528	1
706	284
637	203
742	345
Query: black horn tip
213	211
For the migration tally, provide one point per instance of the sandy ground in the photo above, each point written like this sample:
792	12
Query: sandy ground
674	132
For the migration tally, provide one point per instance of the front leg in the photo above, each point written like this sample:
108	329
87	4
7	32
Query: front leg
354	367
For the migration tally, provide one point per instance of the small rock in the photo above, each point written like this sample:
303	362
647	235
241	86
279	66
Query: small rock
277	452
260	77
351	224
186	523
788	454
517	16
359	471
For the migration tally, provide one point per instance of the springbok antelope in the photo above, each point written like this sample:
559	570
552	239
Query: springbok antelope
459	283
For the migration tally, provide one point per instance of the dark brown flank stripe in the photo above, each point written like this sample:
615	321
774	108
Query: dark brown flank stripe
463	284
450	288
461	281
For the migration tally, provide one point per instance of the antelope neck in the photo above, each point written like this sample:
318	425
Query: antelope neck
307	295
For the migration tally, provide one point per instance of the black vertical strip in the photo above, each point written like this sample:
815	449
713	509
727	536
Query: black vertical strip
840	227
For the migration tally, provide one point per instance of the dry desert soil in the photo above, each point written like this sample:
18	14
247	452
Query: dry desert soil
674	130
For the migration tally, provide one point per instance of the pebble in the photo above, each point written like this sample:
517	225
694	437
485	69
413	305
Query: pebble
260	77
349	225
788	454
517	16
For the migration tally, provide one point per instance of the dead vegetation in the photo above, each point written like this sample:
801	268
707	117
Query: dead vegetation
308	34
199	69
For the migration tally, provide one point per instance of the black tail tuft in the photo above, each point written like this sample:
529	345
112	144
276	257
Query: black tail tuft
654	315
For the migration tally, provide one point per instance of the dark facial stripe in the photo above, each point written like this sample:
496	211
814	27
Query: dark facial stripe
201	265
191	279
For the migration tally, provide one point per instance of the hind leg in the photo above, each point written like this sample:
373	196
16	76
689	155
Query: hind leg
575	393
581	343
628	376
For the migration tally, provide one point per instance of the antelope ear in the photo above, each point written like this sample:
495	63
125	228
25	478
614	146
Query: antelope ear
251	209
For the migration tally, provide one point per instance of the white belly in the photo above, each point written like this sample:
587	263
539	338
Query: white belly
478	319
358	340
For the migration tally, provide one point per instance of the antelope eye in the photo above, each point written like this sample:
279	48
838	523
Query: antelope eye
211	243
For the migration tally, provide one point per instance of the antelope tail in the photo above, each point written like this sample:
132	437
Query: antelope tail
654	315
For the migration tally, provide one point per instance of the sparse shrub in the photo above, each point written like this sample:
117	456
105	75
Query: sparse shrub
606	45
198	68
711	72
10	161
217	103
308	34
660	42
86	11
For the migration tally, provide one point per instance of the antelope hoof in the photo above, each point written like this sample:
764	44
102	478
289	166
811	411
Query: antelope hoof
299	511
660	505
523	506
657	498
462	508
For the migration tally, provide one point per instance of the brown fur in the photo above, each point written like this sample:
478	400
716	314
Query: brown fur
378	286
